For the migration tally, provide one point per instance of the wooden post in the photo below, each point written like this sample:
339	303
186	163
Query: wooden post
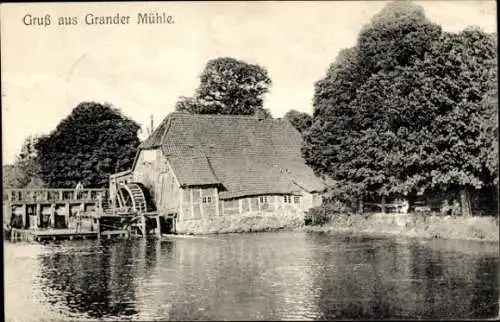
361	206
112	196
382	205
53	215
143	226
158	226
98	227
66	214
38	215
24	214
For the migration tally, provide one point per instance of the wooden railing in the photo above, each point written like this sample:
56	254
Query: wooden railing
53	195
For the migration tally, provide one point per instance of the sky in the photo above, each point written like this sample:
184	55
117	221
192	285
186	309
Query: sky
143	69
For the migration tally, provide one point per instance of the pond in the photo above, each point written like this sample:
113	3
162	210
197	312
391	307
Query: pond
259	276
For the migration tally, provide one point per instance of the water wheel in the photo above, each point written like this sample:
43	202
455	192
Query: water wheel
132	197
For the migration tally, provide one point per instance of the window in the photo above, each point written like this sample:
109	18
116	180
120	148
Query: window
287	199
296	199
263	199
207	199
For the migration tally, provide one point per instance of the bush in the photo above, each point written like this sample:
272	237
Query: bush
410	225
323	214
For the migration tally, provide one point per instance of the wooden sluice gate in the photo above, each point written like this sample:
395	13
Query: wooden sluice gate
58	214
48	208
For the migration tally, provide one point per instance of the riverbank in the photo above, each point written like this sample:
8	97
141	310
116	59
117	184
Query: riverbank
249	222
411	225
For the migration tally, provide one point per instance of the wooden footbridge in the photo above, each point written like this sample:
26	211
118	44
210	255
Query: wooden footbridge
38	214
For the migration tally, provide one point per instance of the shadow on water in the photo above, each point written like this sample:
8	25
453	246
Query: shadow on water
278	276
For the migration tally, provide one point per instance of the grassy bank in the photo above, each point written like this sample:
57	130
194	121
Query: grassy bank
248	222
411	225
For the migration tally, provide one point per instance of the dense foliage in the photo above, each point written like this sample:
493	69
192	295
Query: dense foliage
94	141
228	86
300	120
408	109
24	173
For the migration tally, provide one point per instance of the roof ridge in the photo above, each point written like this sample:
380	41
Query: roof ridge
195	115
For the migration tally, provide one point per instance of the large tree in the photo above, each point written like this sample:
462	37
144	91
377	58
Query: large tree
462	66
228	86
300	120
489	126
399	112
94	141
354	104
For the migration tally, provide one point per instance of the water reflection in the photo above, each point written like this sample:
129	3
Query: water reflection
404	280
98	282
280	276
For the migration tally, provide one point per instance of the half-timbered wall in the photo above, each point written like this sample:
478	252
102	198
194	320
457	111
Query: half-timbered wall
265	203
199	203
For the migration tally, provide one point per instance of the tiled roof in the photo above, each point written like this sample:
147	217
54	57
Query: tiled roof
193	171
245	155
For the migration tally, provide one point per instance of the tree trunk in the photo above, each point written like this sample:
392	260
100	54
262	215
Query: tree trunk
465	202
361	206
382	206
